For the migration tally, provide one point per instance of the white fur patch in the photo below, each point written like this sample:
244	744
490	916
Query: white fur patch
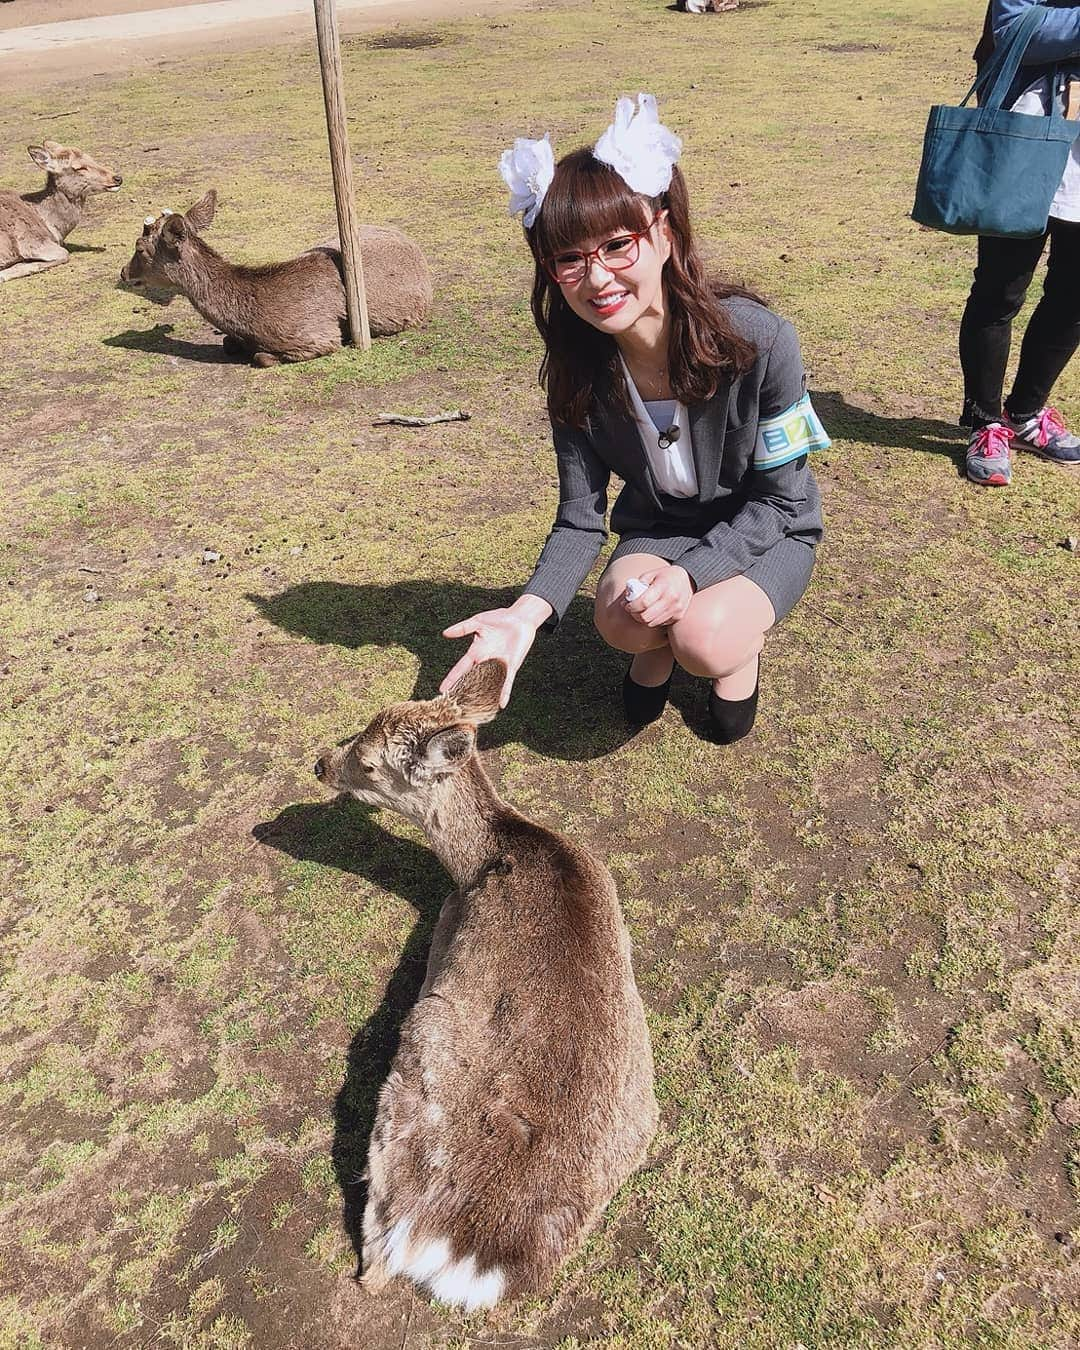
429	1260
395	1246
429	1264
460	1284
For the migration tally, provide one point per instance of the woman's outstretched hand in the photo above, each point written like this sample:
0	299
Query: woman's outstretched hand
501	634
666	598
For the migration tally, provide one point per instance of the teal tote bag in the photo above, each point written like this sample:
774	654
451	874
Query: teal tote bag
986	170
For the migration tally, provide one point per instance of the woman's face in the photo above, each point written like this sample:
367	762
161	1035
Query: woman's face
615	299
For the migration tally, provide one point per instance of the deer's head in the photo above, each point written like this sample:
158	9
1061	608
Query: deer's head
409	750
157	263
75	174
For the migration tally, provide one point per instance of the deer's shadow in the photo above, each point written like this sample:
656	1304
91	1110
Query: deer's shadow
343	834
157	340
566	702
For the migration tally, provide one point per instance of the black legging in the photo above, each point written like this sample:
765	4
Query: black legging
1002	277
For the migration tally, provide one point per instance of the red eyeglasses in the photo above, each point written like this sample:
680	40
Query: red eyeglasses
615	255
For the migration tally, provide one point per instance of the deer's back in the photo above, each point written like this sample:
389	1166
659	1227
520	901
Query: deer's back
539	969
20	227
397	278
296	308
292	293
521	1096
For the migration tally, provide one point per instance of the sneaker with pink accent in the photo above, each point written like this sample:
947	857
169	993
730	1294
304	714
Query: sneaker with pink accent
1046	433
989	455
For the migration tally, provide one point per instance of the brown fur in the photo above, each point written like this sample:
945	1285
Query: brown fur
287	311
33	226
521	1096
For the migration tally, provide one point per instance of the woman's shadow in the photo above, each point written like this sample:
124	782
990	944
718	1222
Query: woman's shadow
566	698
343	834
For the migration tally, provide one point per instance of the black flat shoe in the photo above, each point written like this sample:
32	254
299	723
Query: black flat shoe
644	703
732	718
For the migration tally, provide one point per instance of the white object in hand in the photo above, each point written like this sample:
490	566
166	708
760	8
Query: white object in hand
634	588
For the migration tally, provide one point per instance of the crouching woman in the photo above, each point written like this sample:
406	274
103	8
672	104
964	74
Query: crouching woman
694	395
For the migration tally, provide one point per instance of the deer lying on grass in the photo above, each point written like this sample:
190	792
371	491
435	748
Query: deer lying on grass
288	311
521	1096
33	226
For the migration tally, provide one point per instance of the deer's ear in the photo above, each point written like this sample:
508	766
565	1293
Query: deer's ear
444	751
477	692
201	215
174	229
41	157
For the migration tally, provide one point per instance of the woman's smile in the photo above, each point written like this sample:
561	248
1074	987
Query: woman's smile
608	303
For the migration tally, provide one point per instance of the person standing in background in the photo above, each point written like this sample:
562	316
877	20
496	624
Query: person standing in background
1004	272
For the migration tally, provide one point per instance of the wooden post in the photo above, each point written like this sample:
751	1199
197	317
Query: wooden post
326	26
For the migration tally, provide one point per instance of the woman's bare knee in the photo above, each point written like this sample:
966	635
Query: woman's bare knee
723	628
623	633
710	652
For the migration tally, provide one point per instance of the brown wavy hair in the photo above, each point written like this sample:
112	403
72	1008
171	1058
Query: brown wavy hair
587	200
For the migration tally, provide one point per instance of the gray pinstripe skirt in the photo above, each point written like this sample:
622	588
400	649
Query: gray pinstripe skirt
783	573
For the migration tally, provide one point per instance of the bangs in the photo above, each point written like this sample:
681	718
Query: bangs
586	200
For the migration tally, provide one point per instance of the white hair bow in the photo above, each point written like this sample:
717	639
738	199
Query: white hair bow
638	146
527	170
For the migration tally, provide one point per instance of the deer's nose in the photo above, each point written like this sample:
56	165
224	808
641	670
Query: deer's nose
320	769
119	180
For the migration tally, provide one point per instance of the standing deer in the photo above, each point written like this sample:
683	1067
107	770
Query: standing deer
521	1096
287	311
33	226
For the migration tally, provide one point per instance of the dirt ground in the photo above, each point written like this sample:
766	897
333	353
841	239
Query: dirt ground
23	13
67	55
856	934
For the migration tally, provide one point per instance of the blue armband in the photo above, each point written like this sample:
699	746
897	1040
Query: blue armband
794	432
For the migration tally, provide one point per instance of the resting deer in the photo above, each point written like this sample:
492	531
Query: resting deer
521	1096
288	311
33	227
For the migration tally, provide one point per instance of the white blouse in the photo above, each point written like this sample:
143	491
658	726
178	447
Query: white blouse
1035	100
672	465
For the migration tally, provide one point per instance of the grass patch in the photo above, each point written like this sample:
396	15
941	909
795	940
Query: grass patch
856	935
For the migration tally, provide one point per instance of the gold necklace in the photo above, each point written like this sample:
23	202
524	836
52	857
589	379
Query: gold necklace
659	381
